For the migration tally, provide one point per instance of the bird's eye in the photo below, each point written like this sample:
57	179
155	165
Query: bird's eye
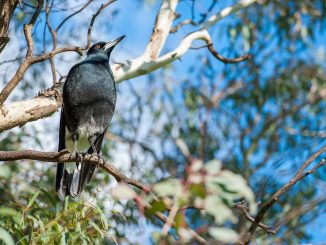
98	46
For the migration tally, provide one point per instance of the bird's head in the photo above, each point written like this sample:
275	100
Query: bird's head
104	47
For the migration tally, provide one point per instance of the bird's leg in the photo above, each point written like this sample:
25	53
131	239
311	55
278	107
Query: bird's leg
91	140
75	153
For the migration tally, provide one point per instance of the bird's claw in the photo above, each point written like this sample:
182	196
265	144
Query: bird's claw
100	161
76	155
97	157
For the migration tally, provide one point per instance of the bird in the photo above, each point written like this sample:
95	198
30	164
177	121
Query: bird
89	99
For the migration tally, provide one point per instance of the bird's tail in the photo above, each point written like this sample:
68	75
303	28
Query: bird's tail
72	184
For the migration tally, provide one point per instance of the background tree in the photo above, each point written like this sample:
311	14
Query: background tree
202	136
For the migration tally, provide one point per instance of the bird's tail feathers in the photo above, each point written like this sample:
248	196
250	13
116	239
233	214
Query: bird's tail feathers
73	183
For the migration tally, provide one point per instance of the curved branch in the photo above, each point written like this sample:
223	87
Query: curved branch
218	56
226	12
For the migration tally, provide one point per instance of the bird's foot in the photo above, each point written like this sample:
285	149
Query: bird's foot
98	158
76	155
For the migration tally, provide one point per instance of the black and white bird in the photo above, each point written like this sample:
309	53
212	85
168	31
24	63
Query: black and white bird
89	98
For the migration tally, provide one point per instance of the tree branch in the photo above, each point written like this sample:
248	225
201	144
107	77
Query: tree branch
89	31
244	210
269	203
161	29
65	156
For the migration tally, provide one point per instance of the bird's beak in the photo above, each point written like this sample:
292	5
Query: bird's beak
112	44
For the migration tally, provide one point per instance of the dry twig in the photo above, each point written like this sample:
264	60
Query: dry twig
301	173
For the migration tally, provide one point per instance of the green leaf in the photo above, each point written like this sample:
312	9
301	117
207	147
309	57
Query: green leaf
5	171
6	237
12	213
32	200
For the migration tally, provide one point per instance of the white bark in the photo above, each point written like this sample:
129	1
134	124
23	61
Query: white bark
21	112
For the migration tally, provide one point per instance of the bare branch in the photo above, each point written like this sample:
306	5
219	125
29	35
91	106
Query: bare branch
21	112
89	31
161	30
73	14
226	12
244	209
181	24
54	39
298	176
301	210
218	56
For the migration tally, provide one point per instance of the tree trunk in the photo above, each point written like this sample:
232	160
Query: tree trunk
7	8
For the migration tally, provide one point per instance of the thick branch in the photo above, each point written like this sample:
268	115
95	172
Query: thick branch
21	112
161	29
139	66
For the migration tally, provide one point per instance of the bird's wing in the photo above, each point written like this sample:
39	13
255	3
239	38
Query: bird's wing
62	176
87	169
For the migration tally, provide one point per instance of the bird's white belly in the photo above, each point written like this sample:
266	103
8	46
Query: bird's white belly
82	142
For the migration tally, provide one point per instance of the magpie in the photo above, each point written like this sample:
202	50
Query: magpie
89	98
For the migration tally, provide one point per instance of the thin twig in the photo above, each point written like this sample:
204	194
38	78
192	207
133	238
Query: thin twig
54	39
218	56
181	24
89	31
241	206
170	219
73	14
269	203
